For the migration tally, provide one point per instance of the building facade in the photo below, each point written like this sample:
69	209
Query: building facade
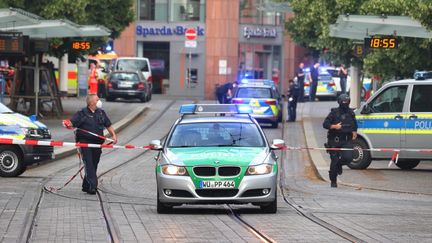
235	39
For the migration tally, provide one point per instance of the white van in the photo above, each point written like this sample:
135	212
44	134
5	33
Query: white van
397	116
133	64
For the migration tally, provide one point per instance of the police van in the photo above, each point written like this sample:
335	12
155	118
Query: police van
15	158
397	116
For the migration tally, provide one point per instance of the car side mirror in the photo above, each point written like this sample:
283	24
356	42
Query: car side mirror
156	145
33	118
277	144
366	109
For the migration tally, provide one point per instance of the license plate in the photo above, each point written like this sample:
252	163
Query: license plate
217	184
125	85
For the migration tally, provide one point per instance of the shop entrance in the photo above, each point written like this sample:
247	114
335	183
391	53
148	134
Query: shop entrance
159	55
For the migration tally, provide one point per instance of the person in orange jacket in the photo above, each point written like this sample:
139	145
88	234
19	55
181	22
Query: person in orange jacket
93	83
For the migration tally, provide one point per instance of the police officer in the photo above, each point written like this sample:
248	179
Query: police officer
293	96
225	91
91	118
342	129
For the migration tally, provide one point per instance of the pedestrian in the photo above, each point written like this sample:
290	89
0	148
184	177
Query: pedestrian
342	129
224	92
293	96
300	81
313	81
93	83
91	118
343	74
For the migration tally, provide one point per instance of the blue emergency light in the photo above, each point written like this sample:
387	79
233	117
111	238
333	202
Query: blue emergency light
190	109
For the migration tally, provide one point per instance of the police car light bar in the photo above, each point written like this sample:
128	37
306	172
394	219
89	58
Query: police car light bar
257	82
214	108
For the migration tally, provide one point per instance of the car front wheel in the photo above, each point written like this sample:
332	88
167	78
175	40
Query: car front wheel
162	208
361	156
270	207
11	162
407	164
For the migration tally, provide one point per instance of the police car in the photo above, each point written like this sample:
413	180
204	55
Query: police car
208	159
15	158
264	98
397	116
326	86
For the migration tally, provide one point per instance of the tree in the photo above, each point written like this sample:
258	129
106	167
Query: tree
310	28
83	12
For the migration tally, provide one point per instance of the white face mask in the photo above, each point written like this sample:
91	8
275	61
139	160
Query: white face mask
99	104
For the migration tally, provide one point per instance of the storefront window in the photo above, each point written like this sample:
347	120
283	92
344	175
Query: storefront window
153	10
259	12
187	10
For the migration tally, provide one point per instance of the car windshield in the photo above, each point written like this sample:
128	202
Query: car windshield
125	77
5	109
251	92
216	134
132	65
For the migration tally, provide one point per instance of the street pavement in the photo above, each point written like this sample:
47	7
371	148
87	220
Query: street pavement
127	182
378	175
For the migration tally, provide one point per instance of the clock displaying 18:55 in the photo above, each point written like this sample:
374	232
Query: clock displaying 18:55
381	42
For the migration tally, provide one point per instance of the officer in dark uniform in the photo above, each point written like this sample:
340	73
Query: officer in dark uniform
342	129
91	118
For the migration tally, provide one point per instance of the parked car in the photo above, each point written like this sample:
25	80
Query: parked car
128	85
263	97
15	158
140	64
397	116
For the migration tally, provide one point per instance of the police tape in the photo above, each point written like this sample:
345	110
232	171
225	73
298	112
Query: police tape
52	143
390	150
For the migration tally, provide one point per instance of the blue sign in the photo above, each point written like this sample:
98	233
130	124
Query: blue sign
165	31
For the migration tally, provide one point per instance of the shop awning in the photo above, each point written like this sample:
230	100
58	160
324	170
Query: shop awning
358	27
59	29
12	17
18	20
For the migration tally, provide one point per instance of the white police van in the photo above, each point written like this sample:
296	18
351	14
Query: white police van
397	116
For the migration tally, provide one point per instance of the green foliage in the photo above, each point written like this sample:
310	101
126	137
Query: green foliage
310	28
83	12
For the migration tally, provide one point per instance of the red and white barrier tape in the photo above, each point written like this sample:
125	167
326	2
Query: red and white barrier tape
128	146
69	144
349	149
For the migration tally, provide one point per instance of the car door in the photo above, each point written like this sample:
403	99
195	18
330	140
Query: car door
384	124
418	123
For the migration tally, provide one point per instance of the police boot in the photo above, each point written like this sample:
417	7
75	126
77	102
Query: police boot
333	184
340	170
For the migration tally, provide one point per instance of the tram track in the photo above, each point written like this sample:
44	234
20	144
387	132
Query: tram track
31	217
303	211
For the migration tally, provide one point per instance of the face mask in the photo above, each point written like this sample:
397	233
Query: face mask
99	104
344	106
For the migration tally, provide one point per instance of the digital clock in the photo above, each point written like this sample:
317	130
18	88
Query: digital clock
11	42
81	45
381	42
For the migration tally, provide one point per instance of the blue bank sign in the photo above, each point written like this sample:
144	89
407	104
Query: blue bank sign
146	31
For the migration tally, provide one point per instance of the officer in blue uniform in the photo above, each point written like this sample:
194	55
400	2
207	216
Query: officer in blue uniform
91	118
342	129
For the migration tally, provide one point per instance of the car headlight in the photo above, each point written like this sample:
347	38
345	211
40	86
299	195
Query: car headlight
31	132
174	170
261	169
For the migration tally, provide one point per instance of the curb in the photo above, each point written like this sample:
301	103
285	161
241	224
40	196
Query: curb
118	126
319	164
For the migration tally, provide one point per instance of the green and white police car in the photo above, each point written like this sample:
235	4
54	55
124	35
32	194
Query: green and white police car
210	159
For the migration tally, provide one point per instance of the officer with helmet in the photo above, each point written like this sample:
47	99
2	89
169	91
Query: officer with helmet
342	129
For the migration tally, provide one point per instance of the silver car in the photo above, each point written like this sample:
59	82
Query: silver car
397	116
216	160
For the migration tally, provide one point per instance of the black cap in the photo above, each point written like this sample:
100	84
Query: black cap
343	99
